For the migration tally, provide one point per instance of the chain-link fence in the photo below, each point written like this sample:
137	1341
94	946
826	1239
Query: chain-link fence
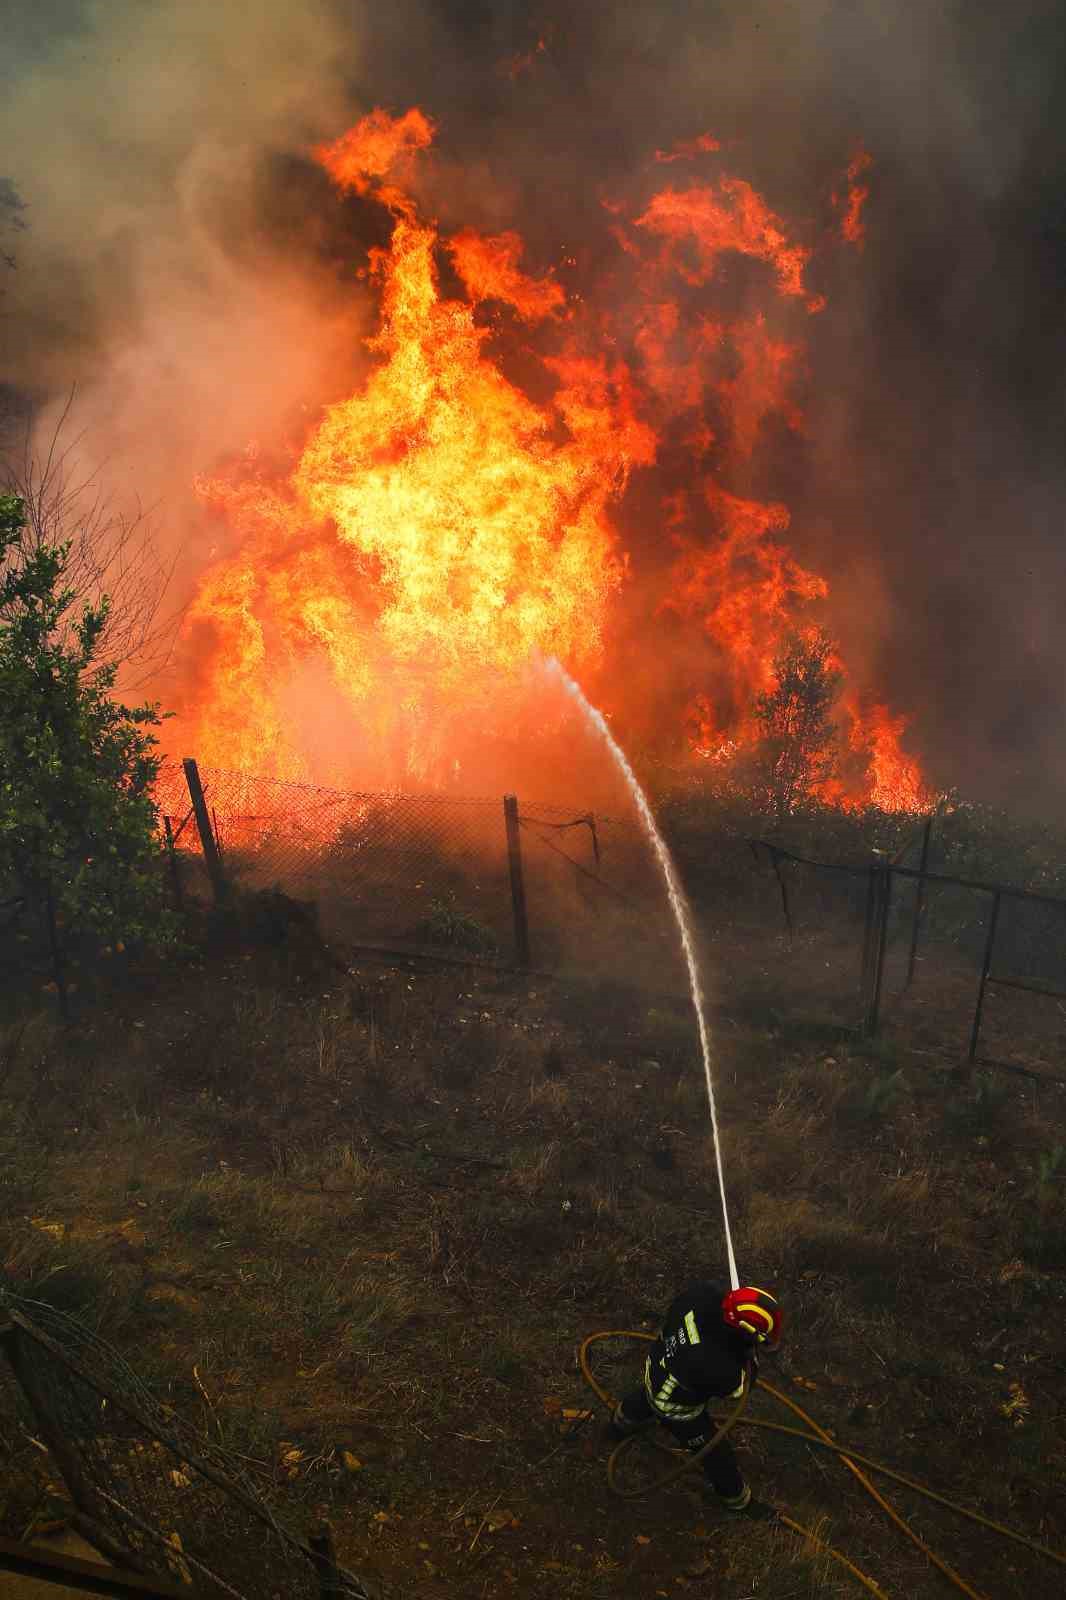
889	943
596	897
150	1493
804	938
552	887
949	964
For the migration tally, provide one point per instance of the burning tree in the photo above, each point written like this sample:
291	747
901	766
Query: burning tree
77	821
796	755
399	565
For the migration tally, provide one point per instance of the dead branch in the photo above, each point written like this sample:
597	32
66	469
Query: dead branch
112	552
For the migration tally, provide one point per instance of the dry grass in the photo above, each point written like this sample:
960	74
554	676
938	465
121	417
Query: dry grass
377	1211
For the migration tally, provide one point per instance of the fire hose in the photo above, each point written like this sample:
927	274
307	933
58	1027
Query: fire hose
815	1435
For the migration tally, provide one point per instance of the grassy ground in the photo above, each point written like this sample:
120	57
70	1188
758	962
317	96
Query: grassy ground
377	1210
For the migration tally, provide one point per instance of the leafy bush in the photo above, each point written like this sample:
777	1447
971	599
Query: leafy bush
78	825
448	925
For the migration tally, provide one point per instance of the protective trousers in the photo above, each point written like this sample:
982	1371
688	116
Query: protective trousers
692	1433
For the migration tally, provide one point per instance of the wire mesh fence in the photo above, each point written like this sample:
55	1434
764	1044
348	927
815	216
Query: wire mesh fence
435	871
810	940
149	1492
596	898
886	943
952	965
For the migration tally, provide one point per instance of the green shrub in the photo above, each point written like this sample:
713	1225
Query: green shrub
79	833
448	925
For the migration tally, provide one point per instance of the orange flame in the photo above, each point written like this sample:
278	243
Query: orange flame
372	148
440	527
733	217
852	226
894	779
760	385
439	524
489	270
688	149
743	589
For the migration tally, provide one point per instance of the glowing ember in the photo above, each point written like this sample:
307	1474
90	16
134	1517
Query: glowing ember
687	149
852	227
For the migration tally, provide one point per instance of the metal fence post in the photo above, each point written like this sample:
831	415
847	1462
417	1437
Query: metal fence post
207	837
882	945
867	942
986	967
883	897
919	899
518	888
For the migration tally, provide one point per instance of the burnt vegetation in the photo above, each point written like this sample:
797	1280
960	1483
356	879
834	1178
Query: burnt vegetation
353	1219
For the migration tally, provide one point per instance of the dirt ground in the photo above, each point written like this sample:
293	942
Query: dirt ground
354	1219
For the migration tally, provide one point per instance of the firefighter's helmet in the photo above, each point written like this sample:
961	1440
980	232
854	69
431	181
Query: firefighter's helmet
753	1312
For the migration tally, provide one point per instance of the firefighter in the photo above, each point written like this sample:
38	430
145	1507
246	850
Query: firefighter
709	1340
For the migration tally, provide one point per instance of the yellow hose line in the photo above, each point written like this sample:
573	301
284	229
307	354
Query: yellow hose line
677	1472
907	1482
817	1436
856	1572
620	1449
697	1456
886	1506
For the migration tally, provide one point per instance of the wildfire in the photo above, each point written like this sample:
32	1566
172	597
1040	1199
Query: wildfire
489	270
441	527
742	587
730	217
895	781
850	205
688	149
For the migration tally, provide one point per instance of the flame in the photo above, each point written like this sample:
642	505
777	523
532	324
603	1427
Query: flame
489	270
515	66
688	149
852	227
731	217
442	526
439	527
894	779
742	588
373	148
761	384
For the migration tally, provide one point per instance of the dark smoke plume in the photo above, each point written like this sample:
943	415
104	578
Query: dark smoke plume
186	266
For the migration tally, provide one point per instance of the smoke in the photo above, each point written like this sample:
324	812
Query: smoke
161	273
187	267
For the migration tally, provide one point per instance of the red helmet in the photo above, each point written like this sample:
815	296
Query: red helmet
753	1312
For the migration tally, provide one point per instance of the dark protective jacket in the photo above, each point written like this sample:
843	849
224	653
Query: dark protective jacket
696	1357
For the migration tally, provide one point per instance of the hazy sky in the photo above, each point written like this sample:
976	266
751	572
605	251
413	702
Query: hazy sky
178	262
